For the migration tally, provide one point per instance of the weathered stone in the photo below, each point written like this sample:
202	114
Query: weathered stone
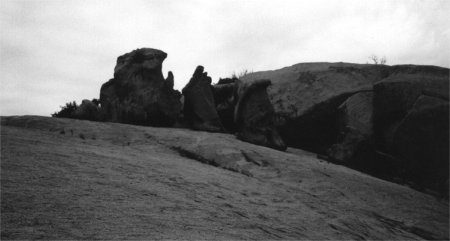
316	129
224	98
254	115
199	107
395	96
138	93
355	126
298	88
421	140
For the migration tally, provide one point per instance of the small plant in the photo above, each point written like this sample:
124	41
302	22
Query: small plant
67	110
241	74
376	60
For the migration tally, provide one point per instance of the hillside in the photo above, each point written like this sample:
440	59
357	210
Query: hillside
73	179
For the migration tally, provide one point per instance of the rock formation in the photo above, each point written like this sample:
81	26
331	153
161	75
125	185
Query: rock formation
377	118
411	121
199	108
370	117
224	97
355	127
254	115
138	93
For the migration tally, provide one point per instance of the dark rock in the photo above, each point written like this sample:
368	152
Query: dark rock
87	110
225	100
199	106
421	140
395	96
254	115
316	129
138	93
355	126
357	112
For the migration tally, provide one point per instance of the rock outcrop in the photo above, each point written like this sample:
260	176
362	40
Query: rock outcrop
421	141
232	106
199	107
138	93
224	96
377	118
306	97
70	179
395	96
411	121
297	89
254	115
355	127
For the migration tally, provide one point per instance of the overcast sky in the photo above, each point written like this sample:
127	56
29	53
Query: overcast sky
55	51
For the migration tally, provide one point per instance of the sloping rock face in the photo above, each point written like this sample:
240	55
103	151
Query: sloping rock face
298	88
199	106
72	179
138	93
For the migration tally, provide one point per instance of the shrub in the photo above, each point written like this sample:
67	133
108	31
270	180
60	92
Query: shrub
375	59
66	111
240	74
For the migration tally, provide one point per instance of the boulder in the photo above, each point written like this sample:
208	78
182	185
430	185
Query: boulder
224	98
87	110
395	95
355	126
138	93
316	129
421	140
254	115
199	106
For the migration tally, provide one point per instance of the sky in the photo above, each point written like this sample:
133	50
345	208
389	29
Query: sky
56	51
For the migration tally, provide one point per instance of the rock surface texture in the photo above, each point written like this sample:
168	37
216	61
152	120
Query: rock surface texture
138	93
353	111
72	179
